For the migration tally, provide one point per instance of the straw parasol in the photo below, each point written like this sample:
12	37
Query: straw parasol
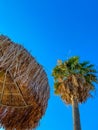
24	88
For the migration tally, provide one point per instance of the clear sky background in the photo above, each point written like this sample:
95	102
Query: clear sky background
51	30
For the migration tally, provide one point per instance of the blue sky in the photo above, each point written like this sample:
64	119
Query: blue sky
51	30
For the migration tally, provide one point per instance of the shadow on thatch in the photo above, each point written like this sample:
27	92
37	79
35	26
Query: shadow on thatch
24	89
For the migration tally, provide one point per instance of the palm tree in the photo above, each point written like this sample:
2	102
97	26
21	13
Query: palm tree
74	82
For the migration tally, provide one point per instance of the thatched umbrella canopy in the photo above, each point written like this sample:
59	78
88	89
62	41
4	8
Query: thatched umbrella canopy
24	88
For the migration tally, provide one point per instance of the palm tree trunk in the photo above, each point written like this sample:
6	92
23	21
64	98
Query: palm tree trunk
76	115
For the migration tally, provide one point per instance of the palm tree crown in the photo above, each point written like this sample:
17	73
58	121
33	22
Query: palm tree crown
74	79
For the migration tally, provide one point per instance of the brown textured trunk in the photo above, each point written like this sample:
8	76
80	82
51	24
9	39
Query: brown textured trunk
76	115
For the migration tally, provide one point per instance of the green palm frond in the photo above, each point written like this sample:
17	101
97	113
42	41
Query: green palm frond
60	71
73	60
91	78
84	64
72	63
86	68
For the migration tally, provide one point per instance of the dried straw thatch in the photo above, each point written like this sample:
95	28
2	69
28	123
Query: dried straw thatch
24	89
